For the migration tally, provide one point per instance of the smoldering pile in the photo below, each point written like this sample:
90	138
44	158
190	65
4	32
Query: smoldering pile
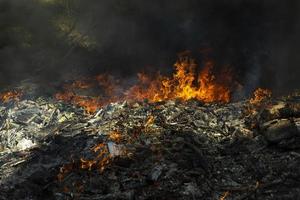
142	150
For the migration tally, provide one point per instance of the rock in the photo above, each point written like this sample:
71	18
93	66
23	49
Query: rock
281	109
192	189
155	173
279	129
25	144
273	112
115	149
297	123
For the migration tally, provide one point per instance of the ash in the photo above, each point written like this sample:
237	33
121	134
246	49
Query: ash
141	150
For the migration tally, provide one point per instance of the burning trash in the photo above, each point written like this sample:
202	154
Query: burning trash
182	133
95	104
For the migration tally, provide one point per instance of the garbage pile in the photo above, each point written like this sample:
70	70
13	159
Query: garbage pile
141	150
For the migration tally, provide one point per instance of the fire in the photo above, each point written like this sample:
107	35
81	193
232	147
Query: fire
87	164
64	170
90	104
84	84
259	98
212	89
260	95
225	195
109	86
186	83
115	136
101	160
10	95
149	121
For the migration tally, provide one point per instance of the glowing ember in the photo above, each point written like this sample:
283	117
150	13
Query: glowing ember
115	136
98	147
100	161
260	95
64	170
10	96
149	121
82	84
87	164
225	195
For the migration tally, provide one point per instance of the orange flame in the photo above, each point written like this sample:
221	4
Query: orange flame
10	96
109	84
184	84
212	89
64	170
115	136
100	161
225	195
82	84
90	104
149	121
260	95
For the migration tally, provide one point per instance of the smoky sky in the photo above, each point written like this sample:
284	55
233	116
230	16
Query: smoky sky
259	39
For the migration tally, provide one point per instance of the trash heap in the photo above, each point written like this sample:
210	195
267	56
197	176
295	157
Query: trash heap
142	150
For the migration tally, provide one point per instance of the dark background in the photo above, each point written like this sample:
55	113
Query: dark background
53	40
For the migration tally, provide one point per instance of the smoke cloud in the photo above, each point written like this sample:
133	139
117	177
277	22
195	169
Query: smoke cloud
53	40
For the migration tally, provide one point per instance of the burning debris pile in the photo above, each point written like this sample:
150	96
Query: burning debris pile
189	132
169	149
165	137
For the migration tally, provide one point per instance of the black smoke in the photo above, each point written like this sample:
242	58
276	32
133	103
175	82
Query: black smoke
258	38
